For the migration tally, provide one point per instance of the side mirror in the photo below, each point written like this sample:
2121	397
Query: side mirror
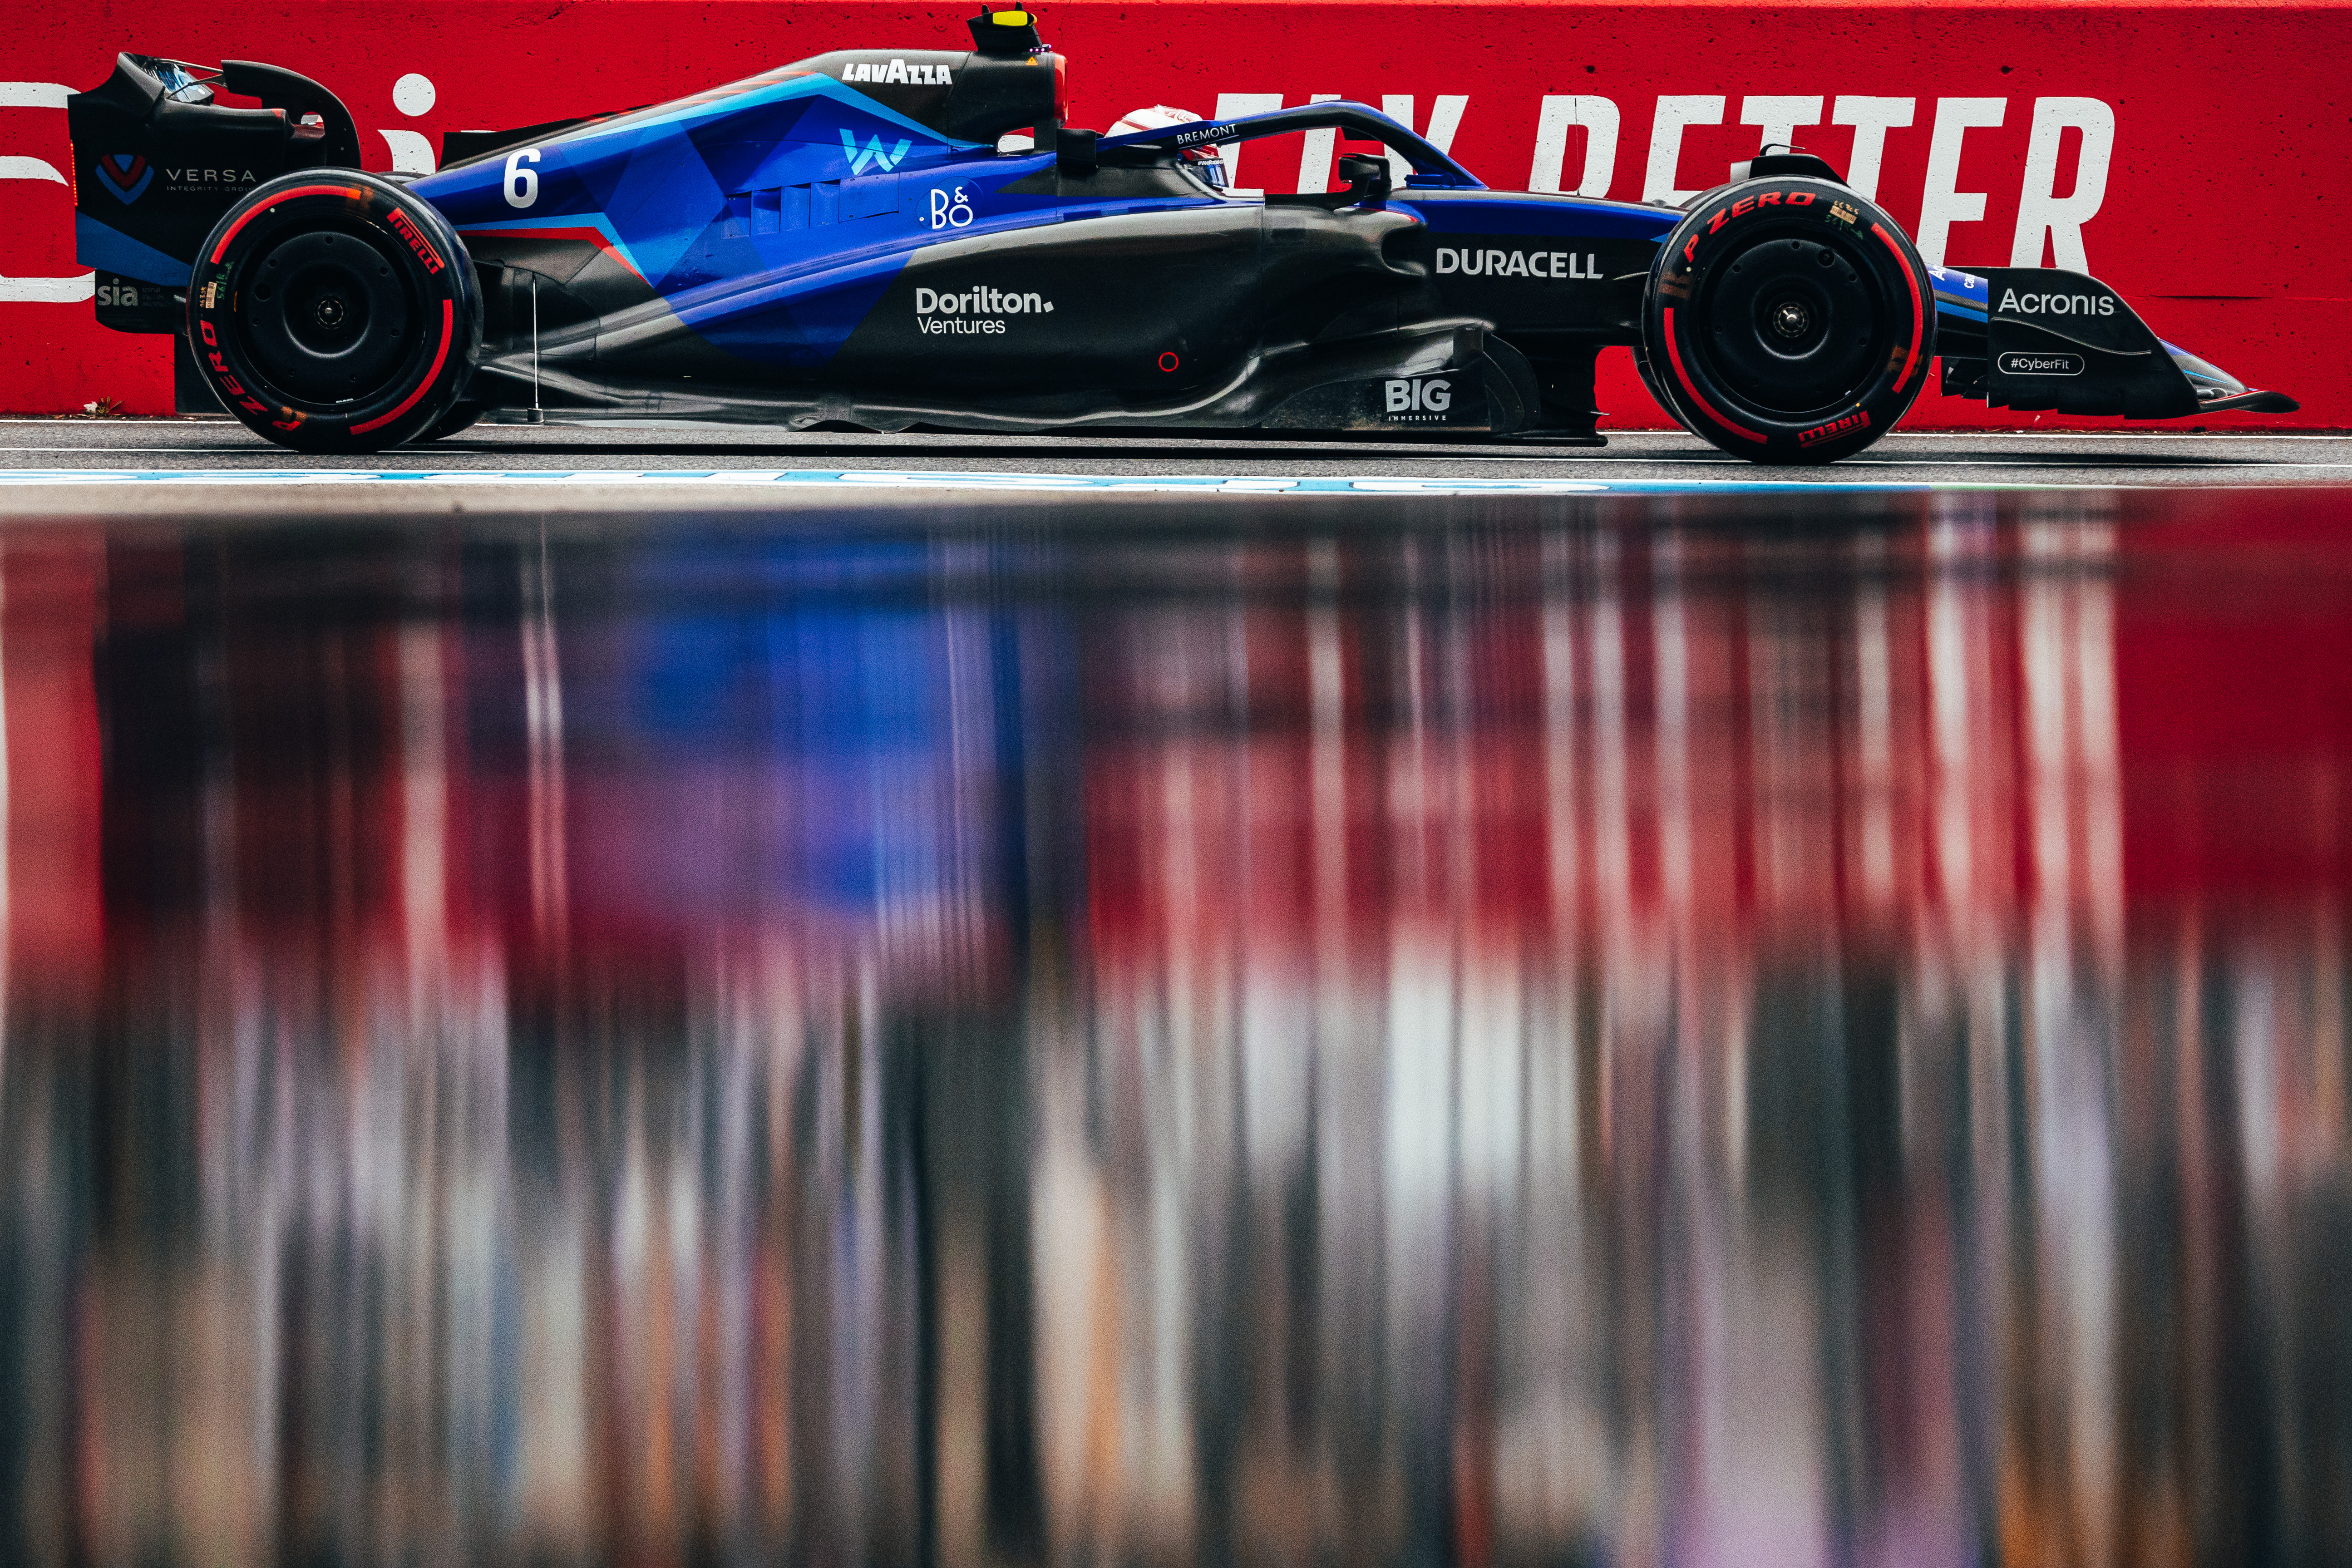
1367	177
1074	151
1786	164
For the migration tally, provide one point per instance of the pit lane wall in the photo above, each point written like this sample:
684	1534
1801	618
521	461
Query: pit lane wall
2194	155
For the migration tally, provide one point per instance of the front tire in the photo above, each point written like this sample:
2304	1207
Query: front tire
1788	321
461	417
1657	394
335	313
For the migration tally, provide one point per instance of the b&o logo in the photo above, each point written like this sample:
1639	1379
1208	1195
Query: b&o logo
950	209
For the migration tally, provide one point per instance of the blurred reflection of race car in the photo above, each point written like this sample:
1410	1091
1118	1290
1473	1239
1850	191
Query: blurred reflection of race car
891	239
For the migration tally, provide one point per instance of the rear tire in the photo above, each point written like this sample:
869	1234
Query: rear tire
1788	321
335	313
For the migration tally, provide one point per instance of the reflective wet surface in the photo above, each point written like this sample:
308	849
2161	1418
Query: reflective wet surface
1628	1033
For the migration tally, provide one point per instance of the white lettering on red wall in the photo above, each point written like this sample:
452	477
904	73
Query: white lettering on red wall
2039	211
2049	226
73	287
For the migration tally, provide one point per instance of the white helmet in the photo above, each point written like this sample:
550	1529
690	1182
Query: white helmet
1162	117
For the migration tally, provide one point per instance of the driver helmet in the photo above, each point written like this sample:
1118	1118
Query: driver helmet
1203	161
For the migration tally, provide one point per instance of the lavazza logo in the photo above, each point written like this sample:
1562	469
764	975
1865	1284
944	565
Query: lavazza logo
1562	264
921	74
2056	304
974	310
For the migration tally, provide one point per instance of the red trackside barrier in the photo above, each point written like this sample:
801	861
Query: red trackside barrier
2191	154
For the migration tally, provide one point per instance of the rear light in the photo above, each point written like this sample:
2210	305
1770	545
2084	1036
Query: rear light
1061	86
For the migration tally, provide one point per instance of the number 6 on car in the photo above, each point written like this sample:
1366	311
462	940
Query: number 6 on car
894	238
523	183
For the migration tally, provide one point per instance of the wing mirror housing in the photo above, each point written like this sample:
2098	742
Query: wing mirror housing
1367	177
1786	164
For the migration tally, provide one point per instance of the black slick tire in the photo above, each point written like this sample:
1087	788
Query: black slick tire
1788	320
1657	394
334	312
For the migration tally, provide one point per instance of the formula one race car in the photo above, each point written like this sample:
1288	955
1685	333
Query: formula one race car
893	240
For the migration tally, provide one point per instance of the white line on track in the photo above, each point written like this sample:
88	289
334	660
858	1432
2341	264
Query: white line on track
1744	481
130	451
2200	465
1043	454
870	480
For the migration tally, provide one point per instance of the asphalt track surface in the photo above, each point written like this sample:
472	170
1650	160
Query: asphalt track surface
150	465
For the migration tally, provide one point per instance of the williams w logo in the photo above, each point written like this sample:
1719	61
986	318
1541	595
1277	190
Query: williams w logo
871	153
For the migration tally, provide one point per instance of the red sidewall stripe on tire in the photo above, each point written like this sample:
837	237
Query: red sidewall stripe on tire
356	193
448	331
1918	321
1674	353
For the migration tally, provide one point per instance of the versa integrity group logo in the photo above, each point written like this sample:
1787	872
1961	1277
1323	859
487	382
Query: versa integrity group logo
126	175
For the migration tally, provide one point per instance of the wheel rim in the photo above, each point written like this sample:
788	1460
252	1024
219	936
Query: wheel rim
1796	327
327	315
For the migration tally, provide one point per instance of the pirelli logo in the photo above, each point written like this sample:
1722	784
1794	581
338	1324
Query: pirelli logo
1857	420
417	241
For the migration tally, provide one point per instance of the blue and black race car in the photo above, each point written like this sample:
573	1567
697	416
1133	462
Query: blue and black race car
901	239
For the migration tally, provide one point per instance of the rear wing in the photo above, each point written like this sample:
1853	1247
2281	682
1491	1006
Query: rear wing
156	162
